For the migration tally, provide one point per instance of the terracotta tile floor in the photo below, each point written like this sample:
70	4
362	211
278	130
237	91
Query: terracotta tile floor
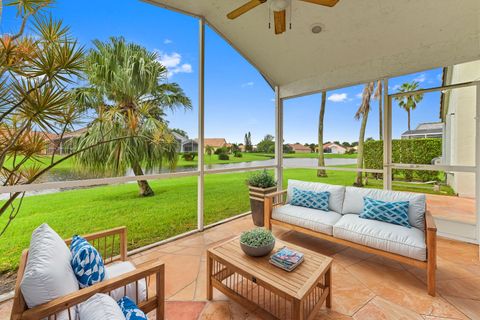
452	208
365	286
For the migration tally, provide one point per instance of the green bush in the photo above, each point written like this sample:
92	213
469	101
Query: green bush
237	154
223	156
262	179
414	151
189	156
257	238
221	150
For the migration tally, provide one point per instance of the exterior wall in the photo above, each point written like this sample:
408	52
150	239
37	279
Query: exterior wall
337	150
460	128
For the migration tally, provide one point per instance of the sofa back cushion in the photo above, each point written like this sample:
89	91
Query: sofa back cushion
353	202
48	274
335	200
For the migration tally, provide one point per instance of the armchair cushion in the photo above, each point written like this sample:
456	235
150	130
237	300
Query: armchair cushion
130	309
313	219
48	274
119	268
353	202
408	242
87	263
335	201
100	306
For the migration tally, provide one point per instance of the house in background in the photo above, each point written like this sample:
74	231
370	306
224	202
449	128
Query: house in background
59	144
458	114
334	148
216	143
299	148
425	130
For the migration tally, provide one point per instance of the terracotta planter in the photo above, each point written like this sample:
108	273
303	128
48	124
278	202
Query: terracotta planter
257	196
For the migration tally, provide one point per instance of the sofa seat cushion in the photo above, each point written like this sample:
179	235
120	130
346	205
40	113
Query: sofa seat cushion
119	268
353	202
313	219
335	200
408	242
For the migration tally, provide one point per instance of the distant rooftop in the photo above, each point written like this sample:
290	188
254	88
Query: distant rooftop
425	130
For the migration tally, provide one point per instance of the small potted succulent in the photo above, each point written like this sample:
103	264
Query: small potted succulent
257	242
260	184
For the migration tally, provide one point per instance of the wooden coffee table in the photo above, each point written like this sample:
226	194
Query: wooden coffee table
254	282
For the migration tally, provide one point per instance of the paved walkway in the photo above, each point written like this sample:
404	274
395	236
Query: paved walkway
365	286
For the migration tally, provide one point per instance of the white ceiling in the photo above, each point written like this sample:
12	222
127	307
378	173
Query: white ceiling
363	40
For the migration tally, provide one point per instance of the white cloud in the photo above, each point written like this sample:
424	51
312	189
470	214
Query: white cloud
167	41
248	84
359	95
338	97
173	62
421	78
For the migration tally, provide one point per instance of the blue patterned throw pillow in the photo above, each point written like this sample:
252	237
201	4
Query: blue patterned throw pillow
130	309
87	263
391	212
310	199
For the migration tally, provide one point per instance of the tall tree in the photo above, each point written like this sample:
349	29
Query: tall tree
410	102
362	113
248	142
37	64
379	97
267	144
129	93
321	156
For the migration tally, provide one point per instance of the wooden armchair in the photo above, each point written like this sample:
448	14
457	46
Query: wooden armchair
112	245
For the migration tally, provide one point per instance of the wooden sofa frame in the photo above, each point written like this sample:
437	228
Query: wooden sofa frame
429	265
112	250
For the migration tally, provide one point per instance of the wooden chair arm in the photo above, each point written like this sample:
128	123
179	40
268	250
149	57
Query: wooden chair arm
60	304
430	222
276	193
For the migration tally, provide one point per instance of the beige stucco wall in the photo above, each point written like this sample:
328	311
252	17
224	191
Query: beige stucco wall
460	127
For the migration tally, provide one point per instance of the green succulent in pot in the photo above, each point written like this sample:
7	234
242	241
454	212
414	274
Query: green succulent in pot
257	242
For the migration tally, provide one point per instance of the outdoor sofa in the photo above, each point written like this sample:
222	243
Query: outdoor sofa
342	224
124	279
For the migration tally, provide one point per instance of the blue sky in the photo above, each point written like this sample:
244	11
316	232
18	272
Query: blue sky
237	99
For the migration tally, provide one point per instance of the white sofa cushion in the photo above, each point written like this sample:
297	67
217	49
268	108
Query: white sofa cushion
353	202
100	306
48	274
119	268
313	219
408	242
337	193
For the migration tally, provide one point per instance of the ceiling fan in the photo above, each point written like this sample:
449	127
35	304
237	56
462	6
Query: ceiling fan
279	10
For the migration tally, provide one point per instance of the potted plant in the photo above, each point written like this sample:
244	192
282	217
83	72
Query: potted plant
260	184
257	242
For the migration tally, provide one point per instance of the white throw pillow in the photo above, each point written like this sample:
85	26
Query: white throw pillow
48	273
416	209
100	306
335	201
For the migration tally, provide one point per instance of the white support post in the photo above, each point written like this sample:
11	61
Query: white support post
278	138
201	125
477	163
387	138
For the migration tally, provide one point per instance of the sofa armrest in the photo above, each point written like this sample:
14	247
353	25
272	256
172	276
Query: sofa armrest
275	194
430	222
71	300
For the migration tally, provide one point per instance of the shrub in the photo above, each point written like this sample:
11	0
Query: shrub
257	238
262	179
223	156
237	154
415	151
221	150
189	156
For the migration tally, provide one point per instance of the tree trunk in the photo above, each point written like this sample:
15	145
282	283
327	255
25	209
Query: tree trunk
408	112
144	188
380	115
321	156
358	180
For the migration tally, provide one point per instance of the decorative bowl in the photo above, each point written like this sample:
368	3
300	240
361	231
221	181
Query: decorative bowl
257	251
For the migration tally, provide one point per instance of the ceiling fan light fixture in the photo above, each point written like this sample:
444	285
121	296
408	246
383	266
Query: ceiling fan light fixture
279	5
317	28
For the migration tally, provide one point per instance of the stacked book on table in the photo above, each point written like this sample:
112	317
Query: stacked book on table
287	259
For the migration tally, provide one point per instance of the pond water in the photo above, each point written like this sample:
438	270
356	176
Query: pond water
56	175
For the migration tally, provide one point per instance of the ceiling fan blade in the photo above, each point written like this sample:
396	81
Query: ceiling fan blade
245	8
280	18
328	3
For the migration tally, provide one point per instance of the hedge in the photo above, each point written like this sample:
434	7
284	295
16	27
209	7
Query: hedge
414	151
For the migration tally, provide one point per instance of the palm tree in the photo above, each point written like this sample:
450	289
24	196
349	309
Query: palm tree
209	150
129	94
321	156
378	96
362	113
409	103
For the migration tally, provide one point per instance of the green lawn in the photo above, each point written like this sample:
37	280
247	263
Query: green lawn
171	211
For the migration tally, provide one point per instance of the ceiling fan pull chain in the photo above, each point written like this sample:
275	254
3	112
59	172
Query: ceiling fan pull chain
291	13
